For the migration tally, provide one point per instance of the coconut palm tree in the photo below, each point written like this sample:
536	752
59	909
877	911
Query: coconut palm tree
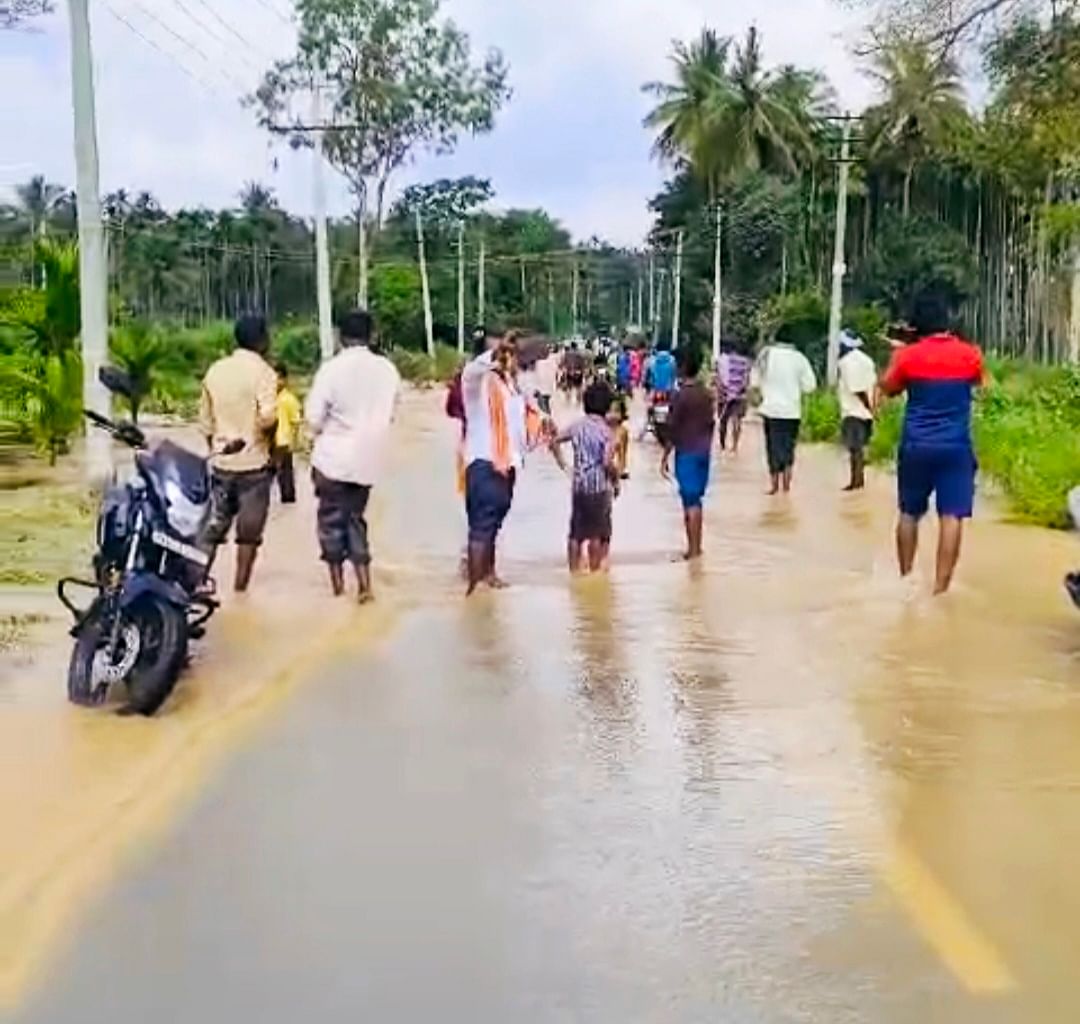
922	102
38	201
686	112
769	117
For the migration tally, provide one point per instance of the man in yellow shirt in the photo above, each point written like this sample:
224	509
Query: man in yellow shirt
289	415
238	416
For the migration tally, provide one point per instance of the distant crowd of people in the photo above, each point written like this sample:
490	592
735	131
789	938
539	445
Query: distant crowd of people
503	400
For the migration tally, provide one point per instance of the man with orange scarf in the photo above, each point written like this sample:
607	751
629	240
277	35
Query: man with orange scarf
500	426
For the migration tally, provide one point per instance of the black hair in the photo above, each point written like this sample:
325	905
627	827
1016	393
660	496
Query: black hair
932	310
663	345
573	346
597	399
690	361
479	343
356	328
787	334
250	333
600	361
281	370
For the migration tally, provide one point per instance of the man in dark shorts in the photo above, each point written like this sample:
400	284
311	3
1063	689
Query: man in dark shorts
782	377
573	371
939	372
497	420
238	416
690	436
349	412
595	478
856	384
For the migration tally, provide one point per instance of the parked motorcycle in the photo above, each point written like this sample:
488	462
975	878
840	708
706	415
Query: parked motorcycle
152	592
659	410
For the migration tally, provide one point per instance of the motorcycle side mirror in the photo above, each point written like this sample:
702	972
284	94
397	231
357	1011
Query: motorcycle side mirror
117	381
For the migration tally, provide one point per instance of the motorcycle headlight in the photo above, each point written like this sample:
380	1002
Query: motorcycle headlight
185	516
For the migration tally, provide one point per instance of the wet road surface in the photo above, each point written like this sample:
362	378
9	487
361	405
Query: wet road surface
781	786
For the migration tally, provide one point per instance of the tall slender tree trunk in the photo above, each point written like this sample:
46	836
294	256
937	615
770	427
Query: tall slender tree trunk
909	173
362	251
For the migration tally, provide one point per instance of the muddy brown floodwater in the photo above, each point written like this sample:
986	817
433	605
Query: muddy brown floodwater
778	787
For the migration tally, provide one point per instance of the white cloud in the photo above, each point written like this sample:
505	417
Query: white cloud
571	139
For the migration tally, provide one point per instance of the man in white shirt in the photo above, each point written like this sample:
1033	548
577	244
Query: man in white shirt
856	385
781	376
349	411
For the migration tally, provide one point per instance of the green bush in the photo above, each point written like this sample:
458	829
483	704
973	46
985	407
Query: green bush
821	417
297	347
869	322
419	368
888	424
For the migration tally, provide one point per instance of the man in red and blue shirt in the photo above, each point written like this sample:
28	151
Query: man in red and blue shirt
939	372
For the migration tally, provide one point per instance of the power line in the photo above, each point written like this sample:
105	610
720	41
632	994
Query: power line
277	14
165	53
184	41
213	33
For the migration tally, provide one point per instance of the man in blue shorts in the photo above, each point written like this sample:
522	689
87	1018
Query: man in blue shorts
690	436
939	372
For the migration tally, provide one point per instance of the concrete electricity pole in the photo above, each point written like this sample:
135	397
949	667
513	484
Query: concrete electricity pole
659	322
93	279
575	298
425	288
839	268
322	239
652	290
640	301
717	307
481	284
461	287
677	311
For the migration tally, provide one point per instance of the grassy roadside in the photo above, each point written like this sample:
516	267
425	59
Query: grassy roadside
1027	435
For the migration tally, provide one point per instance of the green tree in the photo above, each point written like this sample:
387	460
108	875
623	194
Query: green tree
686	117
922	106
140	351
15	12
396	79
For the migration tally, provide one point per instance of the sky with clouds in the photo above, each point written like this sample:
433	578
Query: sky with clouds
169	72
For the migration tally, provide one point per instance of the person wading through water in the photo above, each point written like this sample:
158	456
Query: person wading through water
349	411
939	372
855	387
498	424
781	377
238	416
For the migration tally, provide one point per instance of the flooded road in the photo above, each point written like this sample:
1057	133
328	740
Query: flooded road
778	787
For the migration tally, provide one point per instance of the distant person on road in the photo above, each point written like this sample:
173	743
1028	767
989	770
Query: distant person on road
733	371
781	377
573	370
939	372
595	480
856	386
500	425
546	379
624	370
288	431
349	412
691	425
238	416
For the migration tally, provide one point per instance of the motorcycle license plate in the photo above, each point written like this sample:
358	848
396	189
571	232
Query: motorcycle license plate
188	551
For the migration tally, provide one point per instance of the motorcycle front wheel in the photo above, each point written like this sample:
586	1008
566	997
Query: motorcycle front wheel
150	652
